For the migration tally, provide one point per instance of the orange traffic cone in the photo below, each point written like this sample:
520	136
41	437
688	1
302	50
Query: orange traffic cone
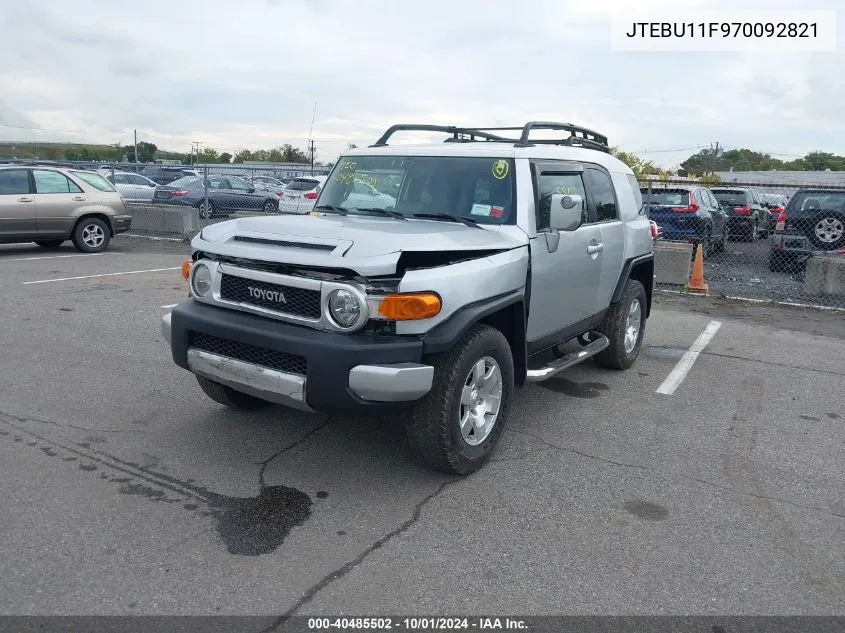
696	283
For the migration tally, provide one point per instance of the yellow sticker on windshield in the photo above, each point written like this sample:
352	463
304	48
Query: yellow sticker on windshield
500	169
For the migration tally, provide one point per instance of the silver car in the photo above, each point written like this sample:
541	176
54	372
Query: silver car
133	187
49	205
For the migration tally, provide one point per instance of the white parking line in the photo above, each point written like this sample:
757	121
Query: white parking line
129	272
680	371
171	305
28	259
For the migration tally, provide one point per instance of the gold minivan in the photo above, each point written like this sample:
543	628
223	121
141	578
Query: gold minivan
50	205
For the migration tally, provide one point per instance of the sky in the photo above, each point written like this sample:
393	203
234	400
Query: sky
248	74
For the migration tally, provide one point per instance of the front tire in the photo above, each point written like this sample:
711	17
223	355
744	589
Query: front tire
91	235
50	243
206	210
624	325
232	398
457	425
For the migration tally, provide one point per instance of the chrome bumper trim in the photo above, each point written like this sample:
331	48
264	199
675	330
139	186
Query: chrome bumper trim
398	382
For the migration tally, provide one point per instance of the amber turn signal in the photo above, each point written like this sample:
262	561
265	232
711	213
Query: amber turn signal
410	306
186	268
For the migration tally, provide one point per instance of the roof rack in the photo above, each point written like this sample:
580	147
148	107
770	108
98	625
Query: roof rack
578	136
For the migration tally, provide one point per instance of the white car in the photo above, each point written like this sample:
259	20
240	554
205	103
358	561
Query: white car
300	194
364	196
133	187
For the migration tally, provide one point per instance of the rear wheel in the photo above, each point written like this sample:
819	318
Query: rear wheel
232	398
270	206
206	209
50	243
721	244
624	325
91	235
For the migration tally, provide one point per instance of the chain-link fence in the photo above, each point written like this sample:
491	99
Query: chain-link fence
775	242
177	201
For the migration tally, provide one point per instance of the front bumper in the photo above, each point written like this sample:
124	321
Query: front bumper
343	372
121	223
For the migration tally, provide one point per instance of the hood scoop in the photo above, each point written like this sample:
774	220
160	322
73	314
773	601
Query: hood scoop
294	242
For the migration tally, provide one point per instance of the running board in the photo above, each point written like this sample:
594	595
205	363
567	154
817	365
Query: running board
567	361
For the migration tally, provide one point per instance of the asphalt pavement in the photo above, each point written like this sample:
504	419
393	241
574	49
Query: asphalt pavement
127	491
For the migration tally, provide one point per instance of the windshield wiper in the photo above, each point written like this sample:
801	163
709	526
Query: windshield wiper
392	214
332	209
446	216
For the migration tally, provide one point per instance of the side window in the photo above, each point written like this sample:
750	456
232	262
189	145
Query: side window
53	182
14	182
119	179
603	195
137	180
638	194
551	184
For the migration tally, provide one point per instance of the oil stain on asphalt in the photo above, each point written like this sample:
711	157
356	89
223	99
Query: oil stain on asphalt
646	510
248	526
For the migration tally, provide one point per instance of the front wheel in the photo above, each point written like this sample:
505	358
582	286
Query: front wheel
457	425
206	210
624	325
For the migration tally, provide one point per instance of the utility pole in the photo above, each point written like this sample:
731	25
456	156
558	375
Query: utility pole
136	146
311	149
197	143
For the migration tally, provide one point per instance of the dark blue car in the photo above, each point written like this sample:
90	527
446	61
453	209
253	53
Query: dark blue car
226	195
688	214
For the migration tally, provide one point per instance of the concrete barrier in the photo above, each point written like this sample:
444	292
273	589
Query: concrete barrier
672	262
167	221
825	275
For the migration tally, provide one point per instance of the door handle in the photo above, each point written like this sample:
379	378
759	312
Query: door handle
24	199
79	198
592	249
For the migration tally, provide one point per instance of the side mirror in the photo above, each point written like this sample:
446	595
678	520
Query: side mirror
566	212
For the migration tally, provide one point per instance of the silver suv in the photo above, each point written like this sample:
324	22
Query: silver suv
458	271
49	205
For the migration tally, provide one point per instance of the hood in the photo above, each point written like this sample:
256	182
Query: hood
367	245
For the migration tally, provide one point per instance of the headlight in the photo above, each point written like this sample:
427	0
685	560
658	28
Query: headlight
201	280
344	307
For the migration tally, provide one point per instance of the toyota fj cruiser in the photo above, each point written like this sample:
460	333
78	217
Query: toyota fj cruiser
434	278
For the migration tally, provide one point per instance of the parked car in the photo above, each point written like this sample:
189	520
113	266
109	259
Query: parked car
49	206
300	194
437	308
689	214
747	217
133	187
814	219
775	203
268	183
166	174
226	195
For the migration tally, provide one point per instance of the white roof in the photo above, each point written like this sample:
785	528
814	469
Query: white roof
497	150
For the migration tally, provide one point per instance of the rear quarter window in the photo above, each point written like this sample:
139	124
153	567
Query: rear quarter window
95	180
638	195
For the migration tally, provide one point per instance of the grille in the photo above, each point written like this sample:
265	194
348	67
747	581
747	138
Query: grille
297	301
280	361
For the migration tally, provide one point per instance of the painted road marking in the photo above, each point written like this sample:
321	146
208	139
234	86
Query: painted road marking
29	259
128	272
171	305
677	375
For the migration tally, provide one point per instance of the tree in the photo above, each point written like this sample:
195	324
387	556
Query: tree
243	156
711	179
639	166
291	154
705	161
208	155
146	152
225	157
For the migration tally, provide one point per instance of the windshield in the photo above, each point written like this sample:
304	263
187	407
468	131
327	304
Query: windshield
810	200
95	180
479	189
671	198
730	197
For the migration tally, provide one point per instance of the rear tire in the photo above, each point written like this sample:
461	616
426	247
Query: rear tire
827	231
206	211
91	235
50	243
434	426
270	206
618	326
232	398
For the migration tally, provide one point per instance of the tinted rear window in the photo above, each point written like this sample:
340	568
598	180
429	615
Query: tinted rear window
303	185
187	181
731	197
95	180
827	201
664	197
